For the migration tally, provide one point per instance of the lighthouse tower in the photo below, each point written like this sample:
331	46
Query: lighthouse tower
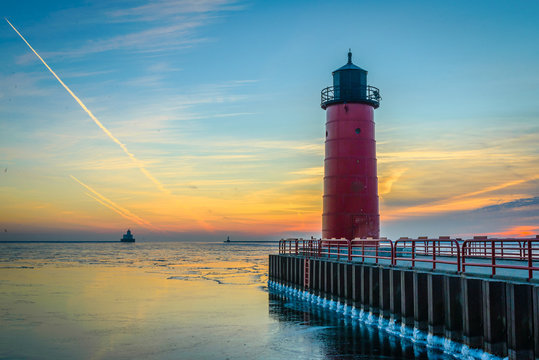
350	182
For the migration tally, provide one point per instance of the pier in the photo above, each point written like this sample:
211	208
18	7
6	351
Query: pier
482	293
466	295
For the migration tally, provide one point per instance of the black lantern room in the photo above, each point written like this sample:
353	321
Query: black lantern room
350	85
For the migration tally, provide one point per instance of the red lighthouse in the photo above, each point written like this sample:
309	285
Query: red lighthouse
350	181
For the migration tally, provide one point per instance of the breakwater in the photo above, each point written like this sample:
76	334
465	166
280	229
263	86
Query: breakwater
463	312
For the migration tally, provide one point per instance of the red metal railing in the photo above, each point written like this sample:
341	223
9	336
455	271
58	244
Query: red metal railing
304	247
453	254
333	249
371	249
433	251
522	250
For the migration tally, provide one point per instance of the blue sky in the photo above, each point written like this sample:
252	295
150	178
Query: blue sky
220	102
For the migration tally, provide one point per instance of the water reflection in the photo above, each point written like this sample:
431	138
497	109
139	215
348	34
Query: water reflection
167	301
341	337
143	301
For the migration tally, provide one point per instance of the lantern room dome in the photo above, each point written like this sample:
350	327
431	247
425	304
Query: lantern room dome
349	65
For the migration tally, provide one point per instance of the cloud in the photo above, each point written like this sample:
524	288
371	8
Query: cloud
309	176
237	157
80	74
307	147
303	181
313	171
515	204
151	40
162	67
518	231
97	122
385	184
462	202
497	187
21	85
224	115
166	9
428	154
160	26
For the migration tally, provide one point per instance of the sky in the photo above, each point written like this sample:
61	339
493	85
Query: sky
201	119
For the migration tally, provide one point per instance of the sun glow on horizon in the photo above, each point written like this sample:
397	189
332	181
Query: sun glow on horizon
232	141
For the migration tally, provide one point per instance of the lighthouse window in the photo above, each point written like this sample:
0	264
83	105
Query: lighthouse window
358	130
326	134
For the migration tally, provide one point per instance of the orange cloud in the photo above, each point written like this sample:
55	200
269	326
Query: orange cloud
385	185
462	202
518	231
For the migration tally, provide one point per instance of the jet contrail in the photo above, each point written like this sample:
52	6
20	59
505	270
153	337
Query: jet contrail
111	207
98	123
115	207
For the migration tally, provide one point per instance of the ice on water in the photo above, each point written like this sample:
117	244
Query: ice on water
424	344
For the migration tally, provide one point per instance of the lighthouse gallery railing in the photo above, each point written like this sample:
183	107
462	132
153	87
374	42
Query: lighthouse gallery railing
367	93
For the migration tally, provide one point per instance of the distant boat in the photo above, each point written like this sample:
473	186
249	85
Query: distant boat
128	237
227	239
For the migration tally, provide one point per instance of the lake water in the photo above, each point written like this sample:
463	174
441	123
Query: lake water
168	300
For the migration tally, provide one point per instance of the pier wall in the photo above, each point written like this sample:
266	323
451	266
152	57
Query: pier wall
498	316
